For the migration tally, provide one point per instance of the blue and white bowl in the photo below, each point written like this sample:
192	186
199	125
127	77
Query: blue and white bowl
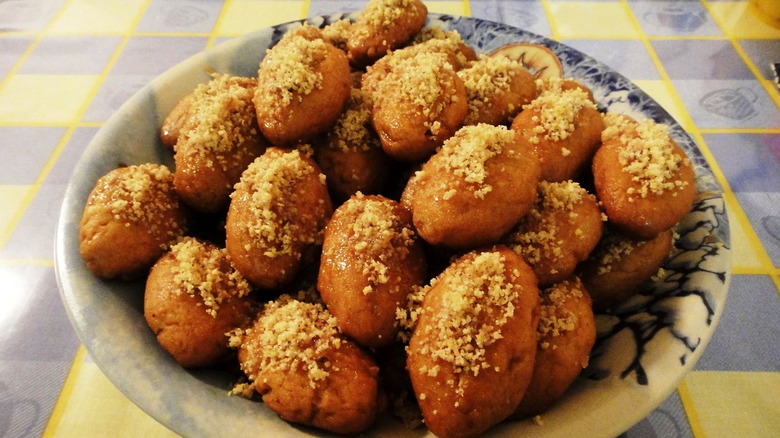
644	348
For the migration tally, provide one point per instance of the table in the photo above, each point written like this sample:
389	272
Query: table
67	65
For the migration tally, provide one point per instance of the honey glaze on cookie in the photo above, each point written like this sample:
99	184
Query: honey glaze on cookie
384	25
564	126
619	265
566	334
371	260
134	208
471	354
217	142
276	217
418	105
560	231
476	187
302	85
497	88
307	371
193	297
351	155
643	179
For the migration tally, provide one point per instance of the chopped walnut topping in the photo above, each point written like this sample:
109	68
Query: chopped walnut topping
383	14
467	153
408	315
650	157
555	318
478	299
426	80
557	111
338	33
612	248
144	194
289	71
221	116
380	236
271	182
291	336
537	234
205	271
486	79
352	131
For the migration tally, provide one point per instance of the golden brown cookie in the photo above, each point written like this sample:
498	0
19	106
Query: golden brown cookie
371	260
384	25
643	179
307	372
174	121
567	332
474	189
419	104
434	38
472	352
560	231
277	215
619	265
565	128
131	217
497	88
302	85
193	297
217	142
351	157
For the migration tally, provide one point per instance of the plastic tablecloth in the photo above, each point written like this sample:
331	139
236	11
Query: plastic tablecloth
67	65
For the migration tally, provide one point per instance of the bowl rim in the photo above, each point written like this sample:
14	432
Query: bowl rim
75	196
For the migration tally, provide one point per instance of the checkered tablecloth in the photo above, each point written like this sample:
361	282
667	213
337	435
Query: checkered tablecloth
67	65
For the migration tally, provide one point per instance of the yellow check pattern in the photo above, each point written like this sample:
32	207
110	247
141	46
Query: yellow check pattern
716	401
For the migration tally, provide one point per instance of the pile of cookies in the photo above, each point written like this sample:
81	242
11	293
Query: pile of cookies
383	220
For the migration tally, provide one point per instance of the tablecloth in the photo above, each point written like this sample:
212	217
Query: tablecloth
67	65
